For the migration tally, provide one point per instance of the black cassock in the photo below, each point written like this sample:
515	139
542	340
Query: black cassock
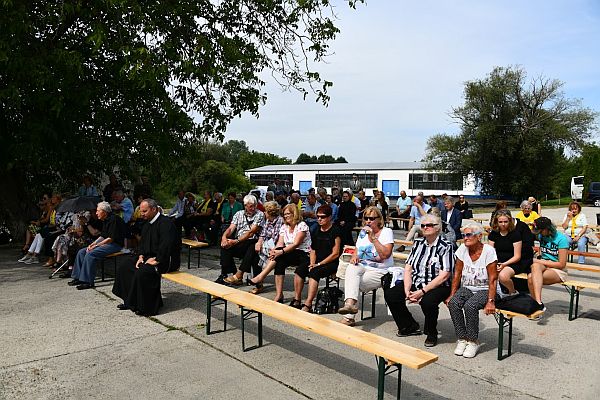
140	287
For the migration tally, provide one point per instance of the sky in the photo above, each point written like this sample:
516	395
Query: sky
398	67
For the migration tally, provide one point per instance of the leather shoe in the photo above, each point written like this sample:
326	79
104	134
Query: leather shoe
74	282
122	307
409	331
85	286
431	341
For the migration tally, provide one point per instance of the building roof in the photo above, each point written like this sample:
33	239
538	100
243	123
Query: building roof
350	167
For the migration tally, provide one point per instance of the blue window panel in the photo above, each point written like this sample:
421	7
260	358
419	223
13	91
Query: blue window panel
304	186
391	188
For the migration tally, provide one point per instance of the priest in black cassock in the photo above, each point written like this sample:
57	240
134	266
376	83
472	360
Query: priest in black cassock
138	278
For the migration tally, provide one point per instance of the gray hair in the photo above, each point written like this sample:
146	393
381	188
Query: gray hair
250	199
474	226
450	199
433	219
104	206
525	203
151	203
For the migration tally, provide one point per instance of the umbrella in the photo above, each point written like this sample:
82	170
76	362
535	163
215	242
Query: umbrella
76	204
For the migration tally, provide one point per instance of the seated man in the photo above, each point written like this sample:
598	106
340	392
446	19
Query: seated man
403	205
110	241
418	209
239	241
138	278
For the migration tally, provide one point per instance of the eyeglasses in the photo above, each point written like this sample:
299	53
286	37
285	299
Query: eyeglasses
370	218
470	234
423	226
323	216
287	214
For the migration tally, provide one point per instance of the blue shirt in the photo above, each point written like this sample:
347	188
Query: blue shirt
403	204
177	210
414	212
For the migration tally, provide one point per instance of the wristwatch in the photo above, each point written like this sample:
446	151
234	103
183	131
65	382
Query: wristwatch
490	300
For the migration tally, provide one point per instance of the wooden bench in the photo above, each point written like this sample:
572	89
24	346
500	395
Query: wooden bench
574	288
113	257
504	319
389	353
193	244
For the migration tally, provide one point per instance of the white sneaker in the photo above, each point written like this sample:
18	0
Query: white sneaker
460	347
471	350
24	258
32	260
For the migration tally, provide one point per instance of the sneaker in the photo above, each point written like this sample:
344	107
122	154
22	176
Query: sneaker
431	340
32	260
471	350
409	331
348	309
347	321
461	345
24	258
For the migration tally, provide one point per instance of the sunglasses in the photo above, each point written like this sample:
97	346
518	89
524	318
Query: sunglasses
470	234
370	218
423	226
323	216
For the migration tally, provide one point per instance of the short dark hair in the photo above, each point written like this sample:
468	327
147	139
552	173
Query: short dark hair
325	209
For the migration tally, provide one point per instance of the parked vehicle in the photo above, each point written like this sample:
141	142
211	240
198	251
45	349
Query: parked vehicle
593	194
577	188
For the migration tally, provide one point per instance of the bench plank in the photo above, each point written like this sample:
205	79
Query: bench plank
194	243
200	284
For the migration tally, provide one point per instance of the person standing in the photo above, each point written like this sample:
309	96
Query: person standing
138	278
355	185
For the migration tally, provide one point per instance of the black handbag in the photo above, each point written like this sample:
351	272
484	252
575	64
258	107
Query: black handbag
520	303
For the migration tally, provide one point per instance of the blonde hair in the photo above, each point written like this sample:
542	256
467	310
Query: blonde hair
272	208
373	210
296	216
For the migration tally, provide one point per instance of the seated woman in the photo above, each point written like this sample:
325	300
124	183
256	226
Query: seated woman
269	236
462	205
293	248
509	247
426	281
370	261
324	257
575	225
36	225
527	215
535	205
63	242
500	205
37	245
473	288
549	267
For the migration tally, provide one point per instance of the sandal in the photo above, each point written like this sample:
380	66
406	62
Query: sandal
295	303
279	301
307	308
258	289
233	280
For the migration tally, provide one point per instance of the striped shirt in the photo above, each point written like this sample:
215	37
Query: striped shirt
428	260
270	229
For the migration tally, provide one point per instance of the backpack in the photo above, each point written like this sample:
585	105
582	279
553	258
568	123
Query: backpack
328	300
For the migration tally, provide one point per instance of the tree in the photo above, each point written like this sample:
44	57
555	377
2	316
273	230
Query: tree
87	86
513	133
304	158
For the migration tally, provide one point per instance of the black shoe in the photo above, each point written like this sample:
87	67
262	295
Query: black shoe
74	282
122	307
65	275
85	286
431	341
409	331
221	279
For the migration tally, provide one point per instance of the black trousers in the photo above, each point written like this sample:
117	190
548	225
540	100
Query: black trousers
430	302
317	273
297	257
405	214
138	287
243	250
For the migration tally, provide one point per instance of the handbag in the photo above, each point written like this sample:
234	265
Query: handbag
328	300
344	262
520	303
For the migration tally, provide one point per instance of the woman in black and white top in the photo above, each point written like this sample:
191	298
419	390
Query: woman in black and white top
426	281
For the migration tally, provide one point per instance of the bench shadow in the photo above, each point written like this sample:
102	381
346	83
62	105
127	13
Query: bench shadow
348	367
489	342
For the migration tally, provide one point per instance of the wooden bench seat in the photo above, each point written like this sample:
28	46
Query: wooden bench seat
195	245
389	353
112	256
504	318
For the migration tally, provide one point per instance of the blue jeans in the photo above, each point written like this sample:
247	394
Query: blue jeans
581	243
84	269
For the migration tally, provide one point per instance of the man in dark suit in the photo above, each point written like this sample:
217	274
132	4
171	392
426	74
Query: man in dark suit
138	278
451	218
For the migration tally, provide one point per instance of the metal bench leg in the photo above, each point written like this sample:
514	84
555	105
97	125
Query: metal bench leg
382	369
189	255
198	257
102	269
210	302
502	323
362	305
247	314
574	303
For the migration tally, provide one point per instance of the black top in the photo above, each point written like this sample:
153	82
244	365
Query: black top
461	207
504	244
323	242
160	240
528	239
114	227
347	213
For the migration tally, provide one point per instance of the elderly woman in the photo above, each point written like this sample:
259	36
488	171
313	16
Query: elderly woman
575	225
293	248
507	241
426	281
473	288
527	215
370	261
549	267
110	241
324	257
269	236
46	231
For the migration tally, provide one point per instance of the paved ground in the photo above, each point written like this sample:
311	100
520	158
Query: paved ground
58	342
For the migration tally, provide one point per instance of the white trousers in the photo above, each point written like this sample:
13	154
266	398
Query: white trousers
37	244
360	279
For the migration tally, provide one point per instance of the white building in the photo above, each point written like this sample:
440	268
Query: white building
391	177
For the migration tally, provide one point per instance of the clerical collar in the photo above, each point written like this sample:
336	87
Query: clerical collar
155	218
